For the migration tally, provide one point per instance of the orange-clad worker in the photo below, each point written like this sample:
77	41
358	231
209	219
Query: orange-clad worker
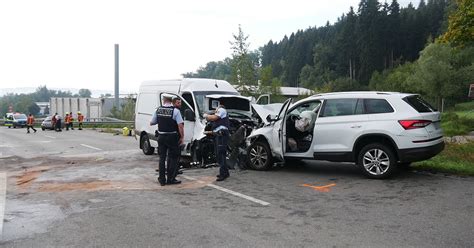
67	120
30	122
71	120
80	119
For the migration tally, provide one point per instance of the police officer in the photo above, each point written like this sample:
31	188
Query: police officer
220	127
170	136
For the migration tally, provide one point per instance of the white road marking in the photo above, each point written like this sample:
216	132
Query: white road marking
264	203
3	196
52	137
91	147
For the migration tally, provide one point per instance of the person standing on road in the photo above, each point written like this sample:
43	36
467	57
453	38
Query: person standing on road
80	119
220	128
177	104
58	122
53	121
68	120
30	122
170	133
71	121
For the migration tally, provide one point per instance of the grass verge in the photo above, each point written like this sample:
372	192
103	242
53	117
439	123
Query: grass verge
454	159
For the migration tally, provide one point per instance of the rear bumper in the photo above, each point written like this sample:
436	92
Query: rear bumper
419	154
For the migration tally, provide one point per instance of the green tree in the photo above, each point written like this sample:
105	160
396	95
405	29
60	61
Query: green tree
33	109
461	25
243	70
445	72
85	93
126	112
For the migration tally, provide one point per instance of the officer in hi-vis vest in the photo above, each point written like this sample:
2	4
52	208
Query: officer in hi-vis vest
170	137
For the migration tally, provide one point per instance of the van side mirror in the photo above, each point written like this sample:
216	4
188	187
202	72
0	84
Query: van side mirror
189	115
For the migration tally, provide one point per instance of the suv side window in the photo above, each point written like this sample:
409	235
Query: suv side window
377	106
339	107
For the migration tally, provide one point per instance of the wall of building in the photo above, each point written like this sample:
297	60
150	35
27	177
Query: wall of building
91	108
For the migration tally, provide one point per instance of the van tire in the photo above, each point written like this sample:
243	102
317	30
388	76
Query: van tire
377	161
146	146
259	156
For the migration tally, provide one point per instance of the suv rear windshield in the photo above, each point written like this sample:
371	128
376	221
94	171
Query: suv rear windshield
419	104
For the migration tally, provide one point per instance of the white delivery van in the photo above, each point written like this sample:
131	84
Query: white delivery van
198	97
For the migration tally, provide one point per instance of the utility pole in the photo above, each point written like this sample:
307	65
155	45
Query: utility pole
116	100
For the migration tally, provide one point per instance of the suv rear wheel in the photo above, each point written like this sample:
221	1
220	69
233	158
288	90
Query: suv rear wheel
259	156
376	161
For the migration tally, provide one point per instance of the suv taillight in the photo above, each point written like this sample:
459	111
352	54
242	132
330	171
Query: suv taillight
412	124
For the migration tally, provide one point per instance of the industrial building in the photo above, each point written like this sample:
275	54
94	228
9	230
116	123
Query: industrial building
91	108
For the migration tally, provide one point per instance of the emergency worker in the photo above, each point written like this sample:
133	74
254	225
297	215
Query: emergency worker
30	122
220	128
170	136
80	119
53	121
58	127
71	121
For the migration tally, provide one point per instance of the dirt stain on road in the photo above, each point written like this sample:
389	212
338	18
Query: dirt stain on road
26	179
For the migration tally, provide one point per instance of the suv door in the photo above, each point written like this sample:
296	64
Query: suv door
339	123
278	133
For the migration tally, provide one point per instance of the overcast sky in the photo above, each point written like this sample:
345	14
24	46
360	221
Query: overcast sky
70	44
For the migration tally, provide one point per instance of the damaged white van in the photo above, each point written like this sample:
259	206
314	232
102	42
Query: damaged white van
377	130
198	96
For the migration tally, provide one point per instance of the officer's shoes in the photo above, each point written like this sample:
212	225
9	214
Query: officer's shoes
162	182
221	178
174	181
35	131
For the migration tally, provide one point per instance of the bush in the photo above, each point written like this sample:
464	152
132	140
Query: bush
466	106
453	124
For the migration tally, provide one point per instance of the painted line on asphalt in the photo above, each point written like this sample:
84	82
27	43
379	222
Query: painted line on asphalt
3	197
91	147
51	137
264	203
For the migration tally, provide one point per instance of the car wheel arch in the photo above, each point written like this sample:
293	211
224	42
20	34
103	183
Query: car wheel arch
382	138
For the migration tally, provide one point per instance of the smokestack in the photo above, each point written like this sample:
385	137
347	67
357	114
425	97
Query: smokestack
116	100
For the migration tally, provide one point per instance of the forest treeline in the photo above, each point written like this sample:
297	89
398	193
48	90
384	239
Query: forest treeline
363	50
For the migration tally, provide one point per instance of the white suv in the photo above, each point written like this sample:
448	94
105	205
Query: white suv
377	130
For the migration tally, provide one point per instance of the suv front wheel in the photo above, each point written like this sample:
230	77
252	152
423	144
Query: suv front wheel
259	156
377	160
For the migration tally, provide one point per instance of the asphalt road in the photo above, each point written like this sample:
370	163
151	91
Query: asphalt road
91	189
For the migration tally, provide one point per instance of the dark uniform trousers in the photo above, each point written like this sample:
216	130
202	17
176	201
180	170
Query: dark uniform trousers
168	147
222	138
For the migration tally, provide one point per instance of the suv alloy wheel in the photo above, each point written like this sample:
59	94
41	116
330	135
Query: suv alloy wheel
376	160
259	156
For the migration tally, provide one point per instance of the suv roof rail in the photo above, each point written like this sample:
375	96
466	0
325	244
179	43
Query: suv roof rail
357	92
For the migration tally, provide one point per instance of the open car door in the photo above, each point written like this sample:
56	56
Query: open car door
263	99
279	132
188	114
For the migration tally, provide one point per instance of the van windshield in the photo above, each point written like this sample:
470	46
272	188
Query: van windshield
201	95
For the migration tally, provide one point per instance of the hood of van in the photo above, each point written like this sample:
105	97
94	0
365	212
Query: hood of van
231	102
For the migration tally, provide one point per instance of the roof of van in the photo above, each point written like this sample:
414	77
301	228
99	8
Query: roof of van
188	84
